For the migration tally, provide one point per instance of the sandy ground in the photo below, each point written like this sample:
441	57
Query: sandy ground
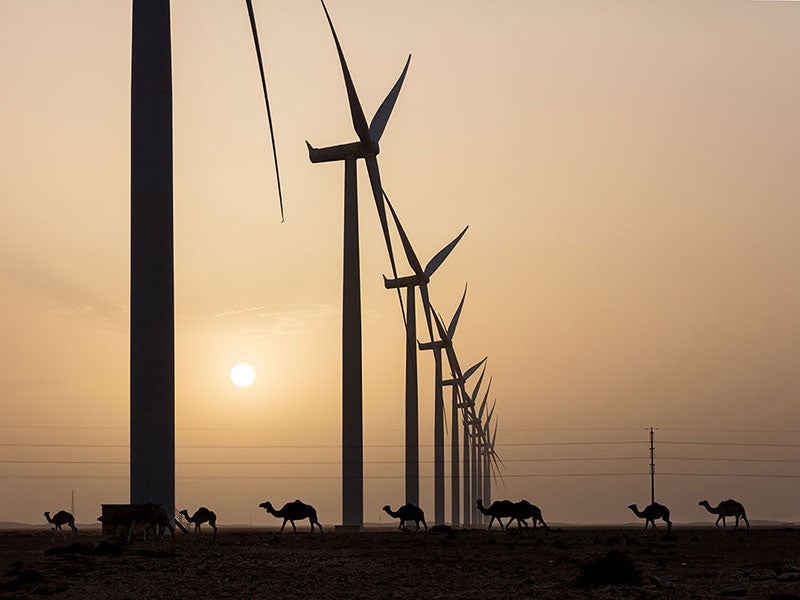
699	563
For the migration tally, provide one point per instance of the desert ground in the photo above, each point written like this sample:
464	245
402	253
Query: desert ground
569	562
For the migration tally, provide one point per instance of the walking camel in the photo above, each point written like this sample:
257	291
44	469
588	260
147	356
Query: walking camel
407	512
651	513
62	517
727	508
499	509
524	510
200	516
294	511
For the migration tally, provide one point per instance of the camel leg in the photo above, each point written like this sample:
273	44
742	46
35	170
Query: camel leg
284	525
214	527
717	522
736	524
294	528
746	522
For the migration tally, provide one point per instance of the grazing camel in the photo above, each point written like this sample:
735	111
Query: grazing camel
200	516
524	510
294	511
408	512
497	510
151	516
62	517
727	508
651	513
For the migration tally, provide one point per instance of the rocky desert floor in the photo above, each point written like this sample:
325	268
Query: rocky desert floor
569	562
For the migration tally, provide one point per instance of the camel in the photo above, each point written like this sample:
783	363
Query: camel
408	512
727	508
62	517
294	511
524	510
497	510
200	516
151	516
651	513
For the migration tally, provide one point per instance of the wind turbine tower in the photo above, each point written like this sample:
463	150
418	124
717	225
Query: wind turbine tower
419	279
366	148
152	311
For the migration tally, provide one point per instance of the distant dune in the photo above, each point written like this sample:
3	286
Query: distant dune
44	525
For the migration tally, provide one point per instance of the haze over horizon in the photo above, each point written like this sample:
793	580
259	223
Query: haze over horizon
629	176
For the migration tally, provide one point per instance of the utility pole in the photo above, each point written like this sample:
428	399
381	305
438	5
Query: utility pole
652	469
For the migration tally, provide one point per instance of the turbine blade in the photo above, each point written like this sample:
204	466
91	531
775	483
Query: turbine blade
254	29
477	387
474	368
411	256
356	112
485	397
426	307
489	417
440	257
385	109
377	193
439	325
451	330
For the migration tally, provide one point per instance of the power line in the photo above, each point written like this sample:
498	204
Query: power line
298	446
336	478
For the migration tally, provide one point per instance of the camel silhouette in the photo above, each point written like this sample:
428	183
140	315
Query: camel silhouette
651	513
499	509
151	516
62	517
408	512
294	511
727	508
524	510
200	516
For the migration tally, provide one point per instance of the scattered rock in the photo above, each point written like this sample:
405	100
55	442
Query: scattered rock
734	593
27	577
662	582
791	576
761	575
612	569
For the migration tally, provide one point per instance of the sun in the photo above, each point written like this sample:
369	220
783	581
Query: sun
243	375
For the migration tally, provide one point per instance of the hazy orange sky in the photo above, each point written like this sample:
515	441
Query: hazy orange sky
629	174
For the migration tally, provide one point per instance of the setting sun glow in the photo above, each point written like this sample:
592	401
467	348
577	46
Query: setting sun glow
243	375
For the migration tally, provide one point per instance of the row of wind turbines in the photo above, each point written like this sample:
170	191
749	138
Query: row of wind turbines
473	458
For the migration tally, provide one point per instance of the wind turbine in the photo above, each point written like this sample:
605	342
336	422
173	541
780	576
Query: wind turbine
488	448
491	460
445	342
419	279
367	148
455	475
479	442
152	313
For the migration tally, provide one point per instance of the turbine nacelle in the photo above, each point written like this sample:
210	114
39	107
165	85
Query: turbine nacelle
353	150
404	282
